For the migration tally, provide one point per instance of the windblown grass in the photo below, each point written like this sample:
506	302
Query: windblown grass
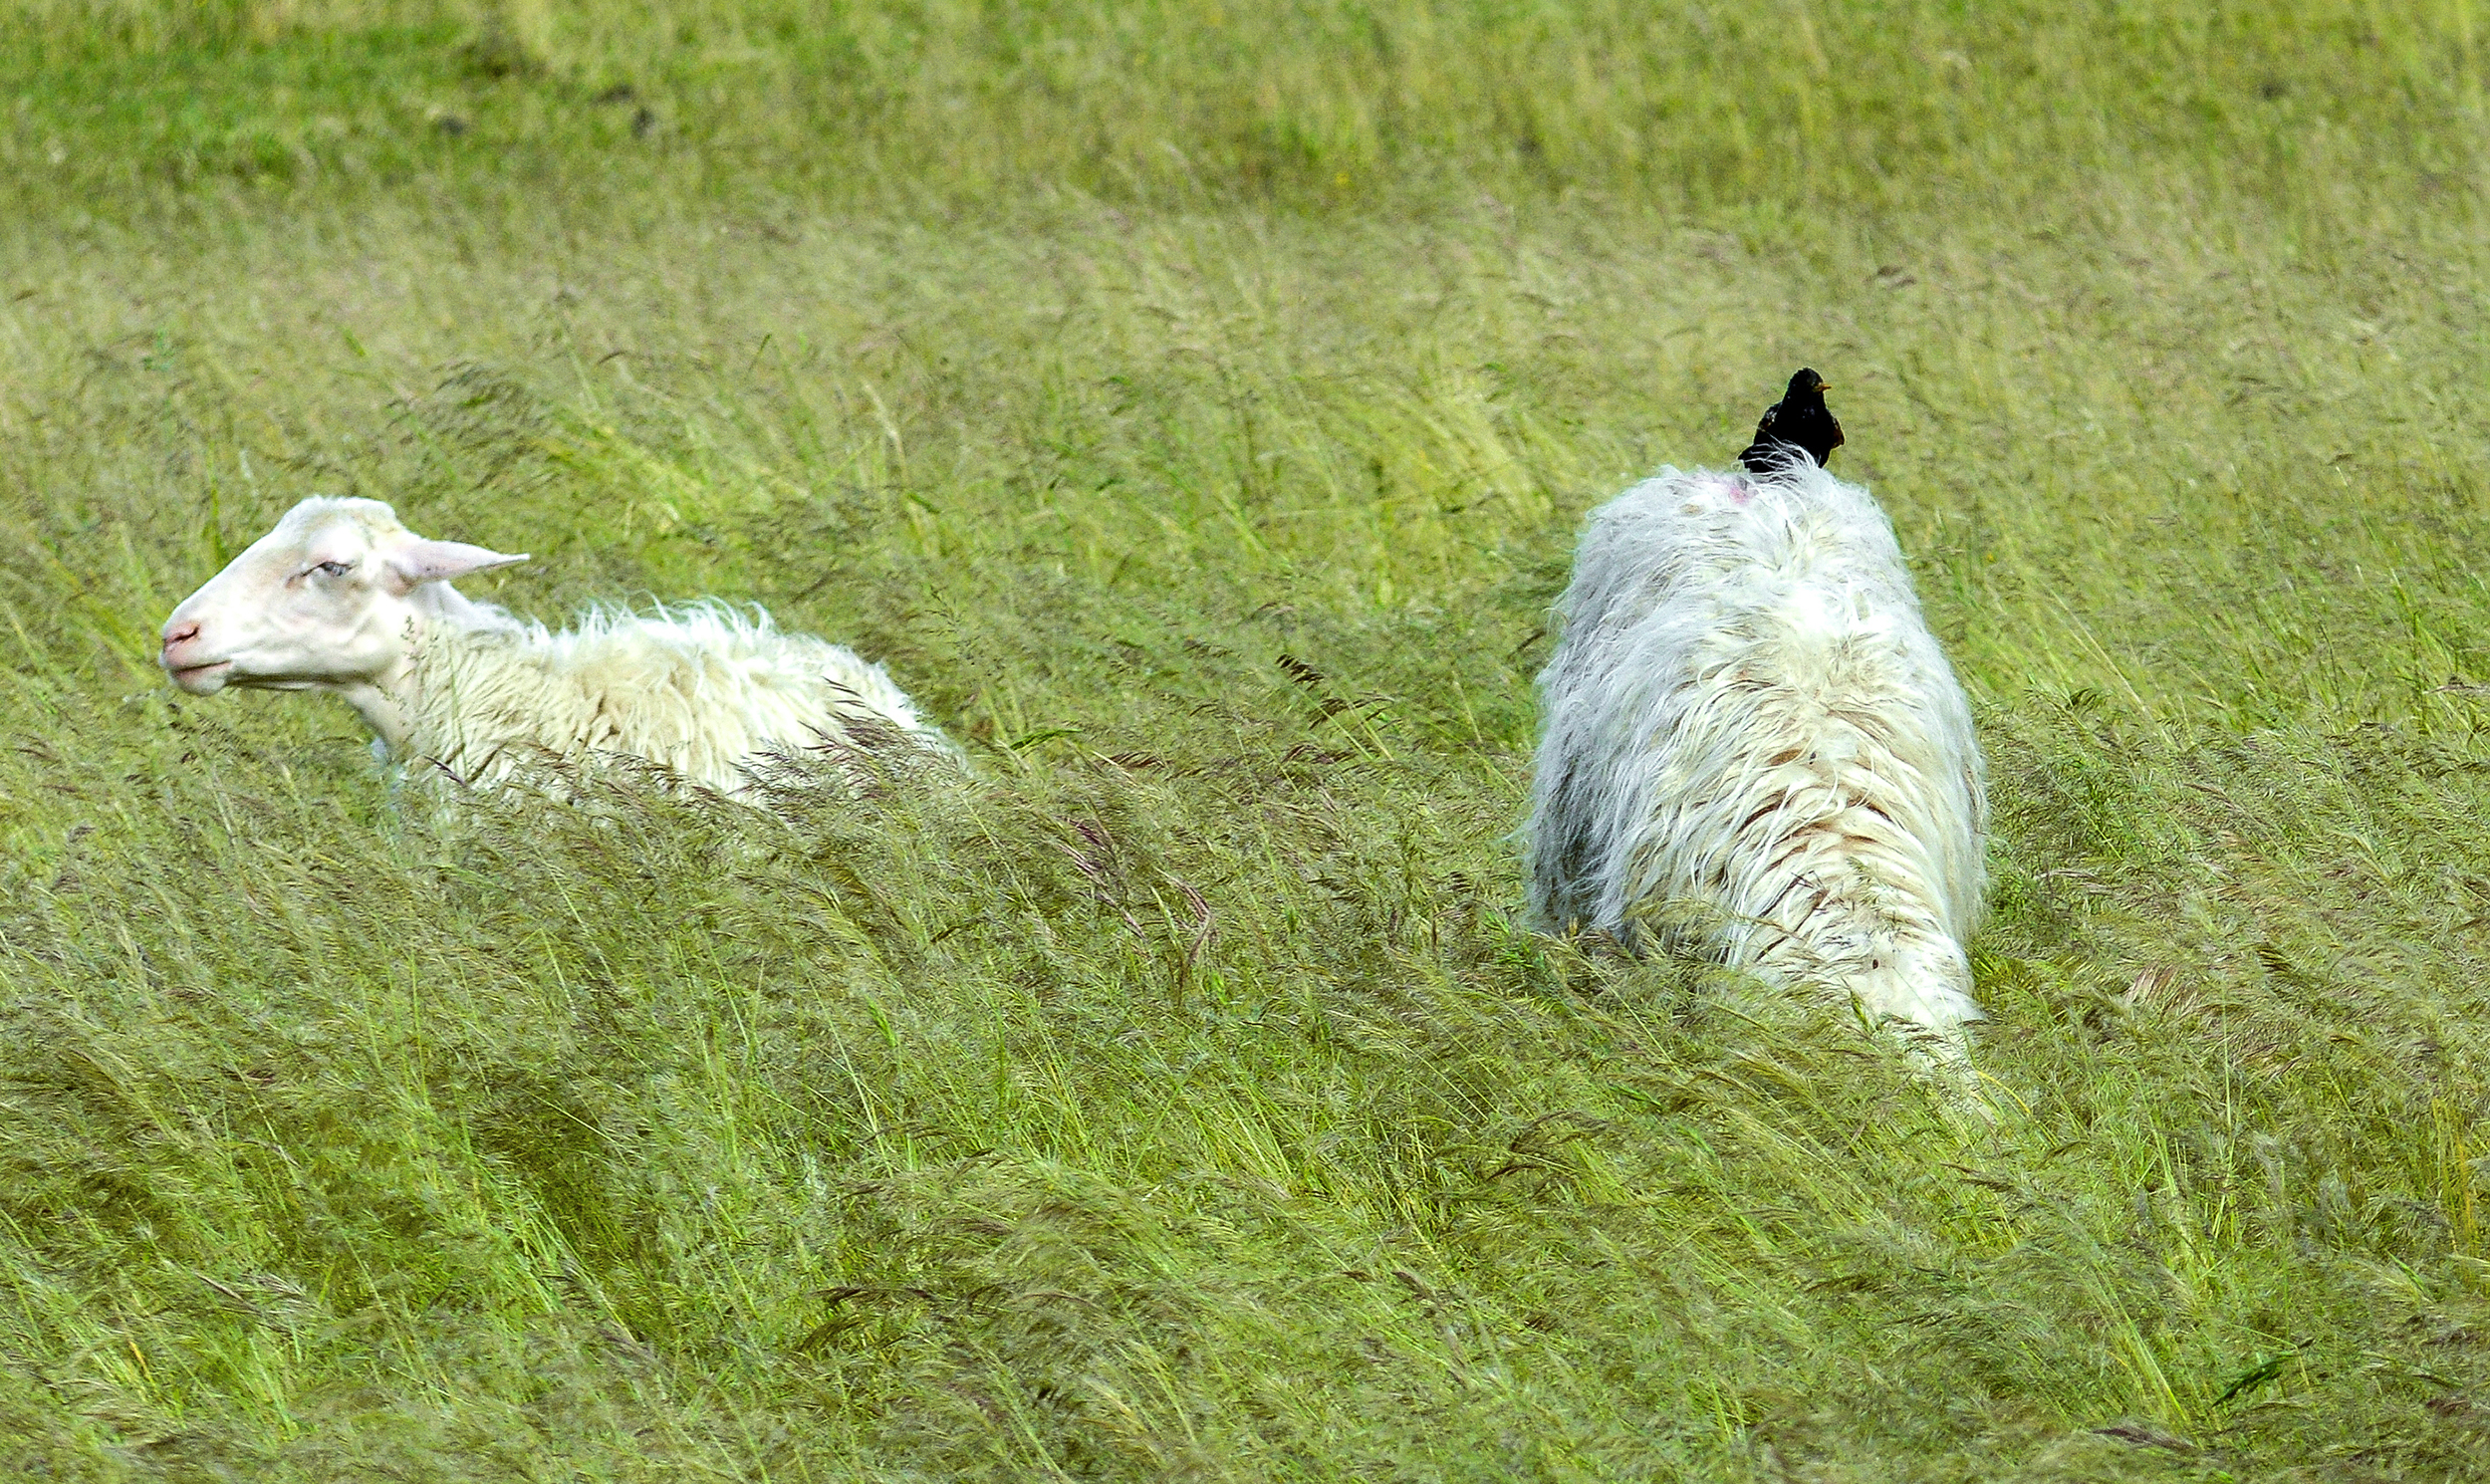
1194	407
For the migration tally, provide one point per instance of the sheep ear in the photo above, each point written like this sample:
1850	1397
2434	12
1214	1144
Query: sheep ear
416	561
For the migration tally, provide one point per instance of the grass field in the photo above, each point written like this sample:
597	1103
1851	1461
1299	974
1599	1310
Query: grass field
1194	406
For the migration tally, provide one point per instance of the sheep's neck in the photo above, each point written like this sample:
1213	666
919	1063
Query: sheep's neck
386	709
391	701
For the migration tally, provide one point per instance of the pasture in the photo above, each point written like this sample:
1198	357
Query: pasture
1194	406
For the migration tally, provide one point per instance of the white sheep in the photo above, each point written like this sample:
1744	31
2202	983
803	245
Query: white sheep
1751	737
341	598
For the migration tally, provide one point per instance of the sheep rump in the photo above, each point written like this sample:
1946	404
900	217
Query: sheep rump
1750	737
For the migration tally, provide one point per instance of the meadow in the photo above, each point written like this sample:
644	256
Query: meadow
1194	406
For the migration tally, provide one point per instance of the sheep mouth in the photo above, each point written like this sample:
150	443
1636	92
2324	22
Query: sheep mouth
201	680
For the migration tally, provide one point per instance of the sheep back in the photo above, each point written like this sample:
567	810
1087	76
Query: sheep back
704	689
1750	735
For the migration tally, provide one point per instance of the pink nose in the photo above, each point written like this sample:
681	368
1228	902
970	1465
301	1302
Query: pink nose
176	636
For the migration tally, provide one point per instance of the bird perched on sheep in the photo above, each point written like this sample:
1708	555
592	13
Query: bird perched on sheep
341	598
1798	424
1750	736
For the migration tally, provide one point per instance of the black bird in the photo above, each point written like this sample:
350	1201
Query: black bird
1798	424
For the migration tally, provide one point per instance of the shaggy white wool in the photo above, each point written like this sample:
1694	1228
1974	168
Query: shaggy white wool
703	689
1750	735
341	598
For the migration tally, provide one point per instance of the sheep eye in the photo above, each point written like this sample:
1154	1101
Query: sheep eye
334	568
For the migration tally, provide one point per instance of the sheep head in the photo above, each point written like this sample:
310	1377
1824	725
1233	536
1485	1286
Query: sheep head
331	599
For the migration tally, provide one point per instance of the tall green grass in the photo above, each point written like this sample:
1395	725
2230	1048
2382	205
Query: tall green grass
1195	407
1695	106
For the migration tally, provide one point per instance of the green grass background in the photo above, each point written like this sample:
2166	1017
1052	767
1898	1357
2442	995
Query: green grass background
1194	404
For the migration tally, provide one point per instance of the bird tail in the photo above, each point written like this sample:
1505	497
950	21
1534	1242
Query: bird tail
1775	458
